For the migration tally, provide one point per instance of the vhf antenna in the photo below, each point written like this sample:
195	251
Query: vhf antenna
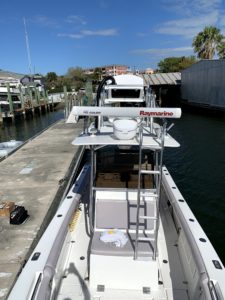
28	47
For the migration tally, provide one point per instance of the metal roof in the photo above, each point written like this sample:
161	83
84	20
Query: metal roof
7	74
162	78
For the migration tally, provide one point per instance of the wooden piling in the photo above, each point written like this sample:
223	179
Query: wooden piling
1	118
21	97
9	98
66	112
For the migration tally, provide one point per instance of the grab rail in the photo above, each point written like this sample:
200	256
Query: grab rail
213	291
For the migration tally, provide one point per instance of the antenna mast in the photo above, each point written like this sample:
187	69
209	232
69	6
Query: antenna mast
28	47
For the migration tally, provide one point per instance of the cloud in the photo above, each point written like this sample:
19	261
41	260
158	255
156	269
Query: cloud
194	16
84	33
191	7
104	32
75	19
188	27
70	35
163	51
44	21
205	6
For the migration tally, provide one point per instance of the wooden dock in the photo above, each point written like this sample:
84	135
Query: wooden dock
36	177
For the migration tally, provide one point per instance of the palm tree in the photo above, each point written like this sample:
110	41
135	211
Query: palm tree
221	49
206	42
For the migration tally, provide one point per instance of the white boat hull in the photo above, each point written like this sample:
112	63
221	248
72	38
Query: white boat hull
181	274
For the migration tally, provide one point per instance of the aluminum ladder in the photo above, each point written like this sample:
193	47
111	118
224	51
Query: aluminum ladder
157	173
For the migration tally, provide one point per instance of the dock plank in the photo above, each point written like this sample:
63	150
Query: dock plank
35	176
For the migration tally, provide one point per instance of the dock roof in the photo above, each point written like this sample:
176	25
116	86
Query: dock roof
162	78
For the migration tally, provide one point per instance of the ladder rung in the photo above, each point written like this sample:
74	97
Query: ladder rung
146	239
148	194
153	172
147	218
149	147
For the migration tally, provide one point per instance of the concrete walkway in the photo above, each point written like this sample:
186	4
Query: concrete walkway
35	177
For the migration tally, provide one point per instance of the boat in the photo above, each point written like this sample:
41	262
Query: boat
124	230
8	147
122	91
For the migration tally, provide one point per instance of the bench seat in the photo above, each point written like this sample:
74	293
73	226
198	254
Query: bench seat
145	248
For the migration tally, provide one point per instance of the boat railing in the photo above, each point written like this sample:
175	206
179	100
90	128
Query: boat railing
41	268
202	259
213	291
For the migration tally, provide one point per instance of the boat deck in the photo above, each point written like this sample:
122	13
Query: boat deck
115	270
36	177
75	283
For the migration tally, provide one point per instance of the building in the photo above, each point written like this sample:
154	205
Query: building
203	84
109	70
113	70
36	81
166	87
147	71
13	79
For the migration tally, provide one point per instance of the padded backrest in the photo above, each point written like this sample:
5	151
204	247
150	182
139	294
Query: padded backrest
121	214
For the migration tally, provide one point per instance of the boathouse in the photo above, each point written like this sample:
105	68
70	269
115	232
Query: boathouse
203	84
166	86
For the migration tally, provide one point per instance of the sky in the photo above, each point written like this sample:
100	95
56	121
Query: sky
93	33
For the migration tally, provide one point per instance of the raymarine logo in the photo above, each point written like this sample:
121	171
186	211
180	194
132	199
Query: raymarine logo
156	113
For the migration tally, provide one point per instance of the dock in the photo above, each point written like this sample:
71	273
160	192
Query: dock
19	105
37	177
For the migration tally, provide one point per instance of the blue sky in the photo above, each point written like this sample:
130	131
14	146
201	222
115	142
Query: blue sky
93	33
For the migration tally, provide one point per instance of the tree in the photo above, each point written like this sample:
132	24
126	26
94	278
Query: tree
97	74
175	64
187	62
51	80
169	64
77	77
51	77
221	50
207	41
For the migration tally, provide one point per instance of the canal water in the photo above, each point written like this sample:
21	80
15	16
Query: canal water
23	130
198	166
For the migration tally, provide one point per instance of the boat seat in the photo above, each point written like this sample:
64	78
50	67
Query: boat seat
145	248
121	214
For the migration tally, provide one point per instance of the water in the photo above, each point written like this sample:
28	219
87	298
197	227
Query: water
25	129
198	166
